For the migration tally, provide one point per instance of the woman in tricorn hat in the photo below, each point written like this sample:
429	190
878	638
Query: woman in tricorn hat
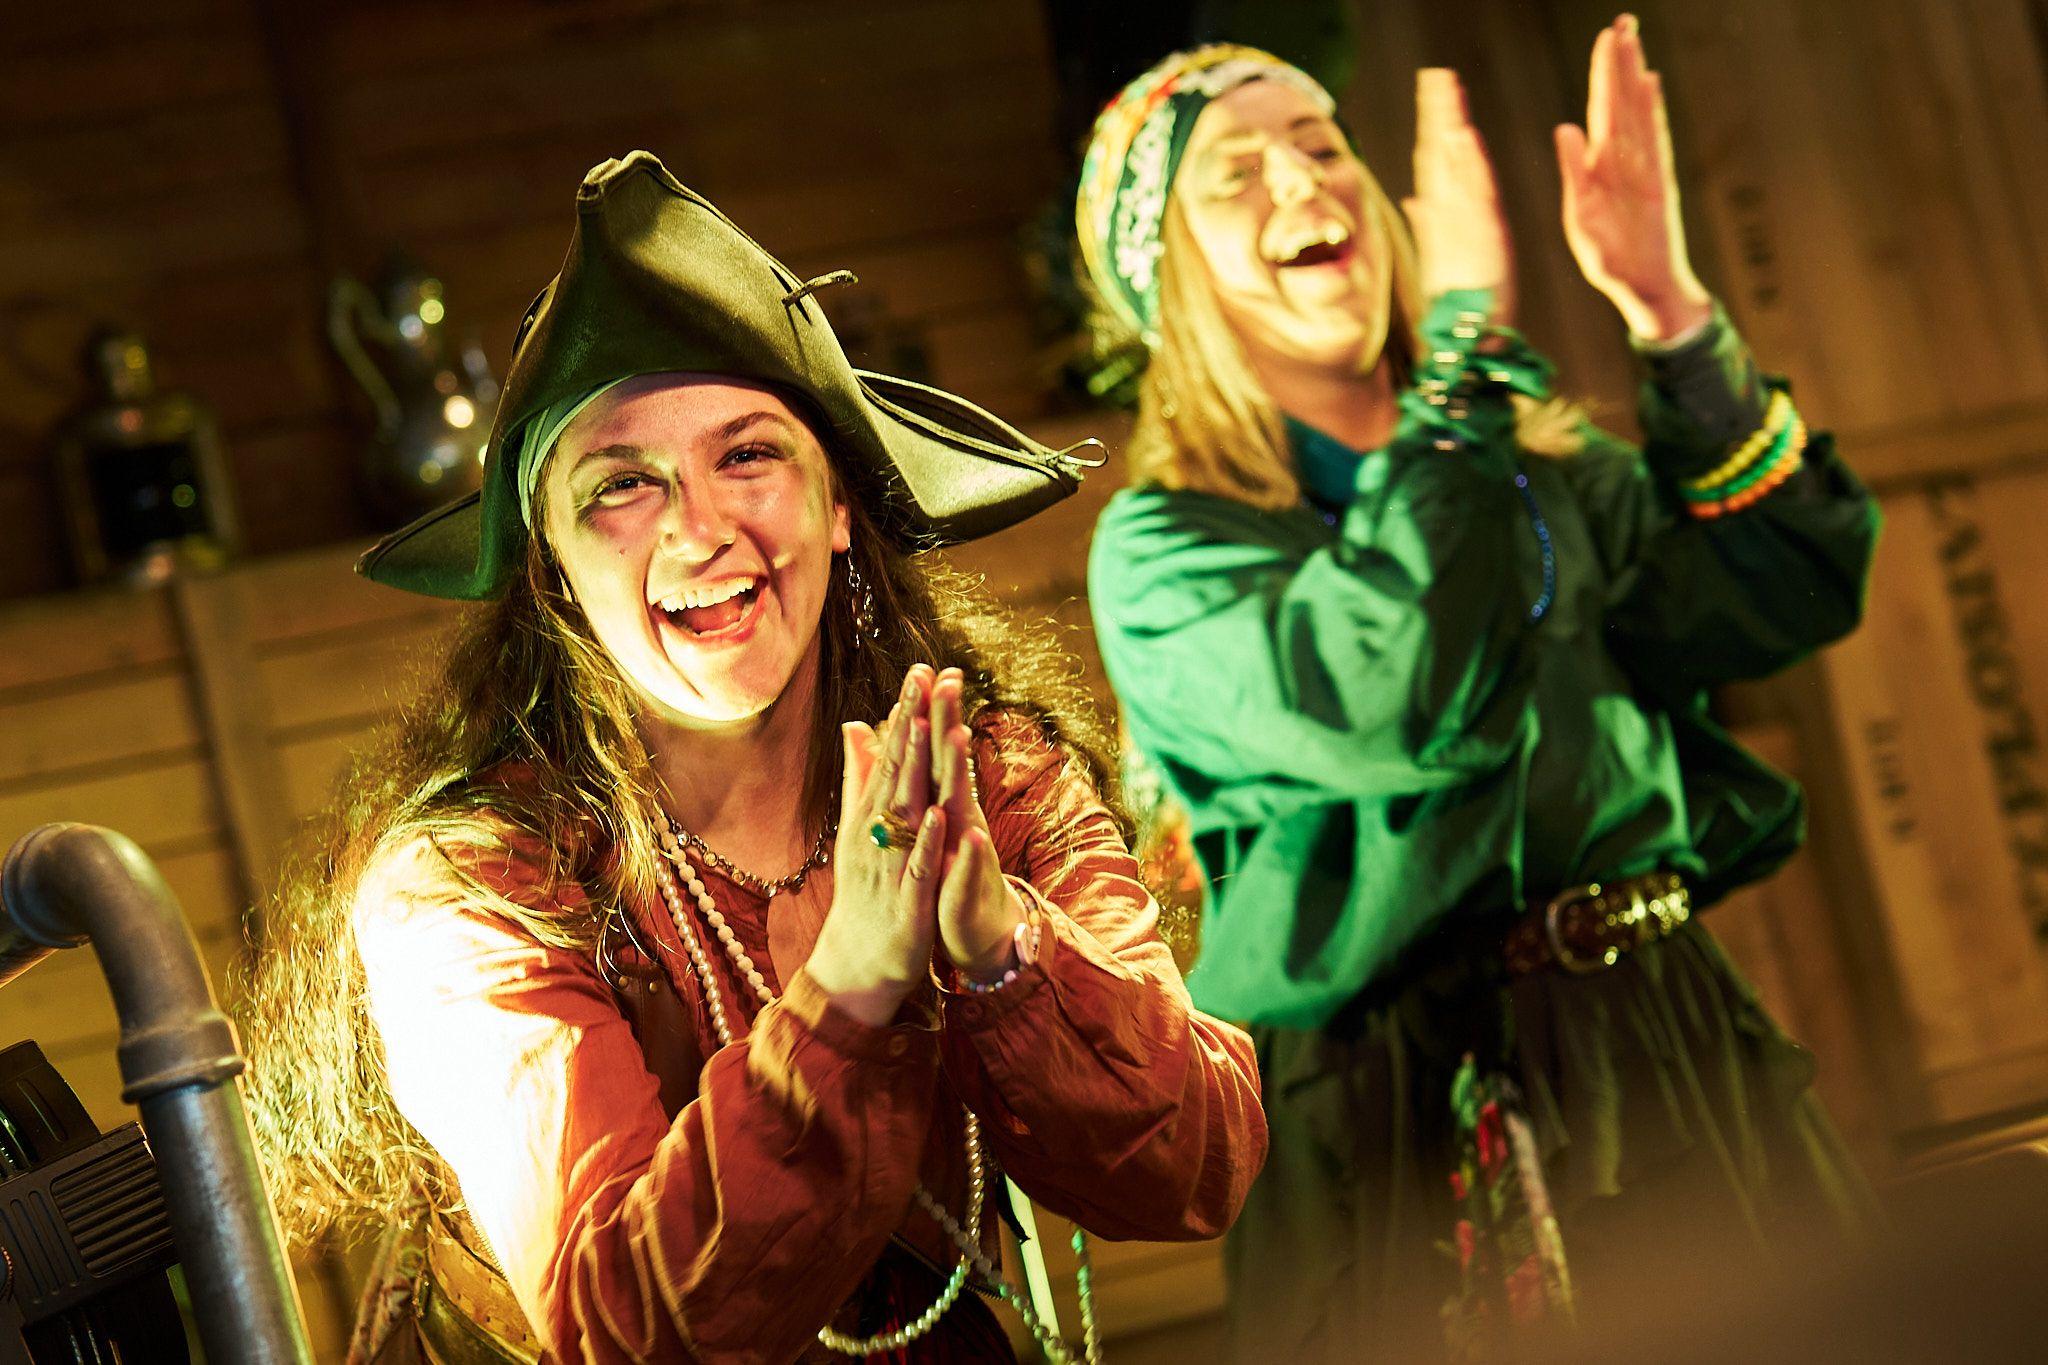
1424	654
747	897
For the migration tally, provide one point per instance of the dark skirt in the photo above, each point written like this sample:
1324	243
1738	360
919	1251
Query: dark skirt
1674	1121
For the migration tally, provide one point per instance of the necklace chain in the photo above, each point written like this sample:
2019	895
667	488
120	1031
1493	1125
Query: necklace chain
676	867
819	856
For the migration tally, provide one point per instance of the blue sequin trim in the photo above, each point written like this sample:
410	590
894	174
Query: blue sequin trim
1541	606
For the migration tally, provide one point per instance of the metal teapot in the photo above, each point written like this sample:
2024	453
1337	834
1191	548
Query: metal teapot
431	390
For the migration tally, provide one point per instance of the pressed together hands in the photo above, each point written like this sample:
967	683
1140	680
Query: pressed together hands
892	906
1621	217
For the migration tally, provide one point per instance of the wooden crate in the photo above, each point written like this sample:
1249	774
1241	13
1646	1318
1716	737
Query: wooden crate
1939	710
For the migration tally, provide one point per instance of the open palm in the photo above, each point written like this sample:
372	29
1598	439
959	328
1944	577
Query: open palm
1621	215
1461	237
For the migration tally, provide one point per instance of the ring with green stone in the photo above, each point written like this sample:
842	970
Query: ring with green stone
891	830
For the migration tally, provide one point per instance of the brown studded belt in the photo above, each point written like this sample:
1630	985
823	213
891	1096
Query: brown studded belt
1589	928
467	1315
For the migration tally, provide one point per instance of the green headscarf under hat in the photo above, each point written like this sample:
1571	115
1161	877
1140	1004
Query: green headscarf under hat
539	435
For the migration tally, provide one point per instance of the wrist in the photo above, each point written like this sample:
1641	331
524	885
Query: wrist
1661	318
993	966
864	991
999	956
875	1007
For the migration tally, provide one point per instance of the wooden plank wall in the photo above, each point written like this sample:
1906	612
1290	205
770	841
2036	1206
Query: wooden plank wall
202	168
105	709
145	177
1940	712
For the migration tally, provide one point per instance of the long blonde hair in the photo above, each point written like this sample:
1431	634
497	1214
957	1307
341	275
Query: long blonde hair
1204	420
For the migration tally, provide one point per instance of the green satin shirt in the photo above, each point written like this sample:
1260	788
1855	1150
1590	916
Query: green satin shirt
1374	729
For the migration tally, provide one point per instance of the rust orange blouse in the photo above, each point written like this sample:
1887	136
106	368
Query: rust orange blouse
729	1224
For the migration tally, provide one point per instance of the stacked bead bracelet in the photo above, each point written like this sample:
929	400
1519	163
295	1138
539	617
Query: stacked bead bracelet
1770	456
1023	949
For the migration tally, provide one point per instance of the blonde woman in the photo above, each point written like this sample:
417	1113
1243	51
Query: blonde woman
746	900
1424	655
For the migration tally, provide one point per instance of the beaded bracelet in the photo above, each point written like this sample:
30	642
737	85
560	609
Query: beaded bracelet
1777	417
1774	456
1023	950
969	986
1787	462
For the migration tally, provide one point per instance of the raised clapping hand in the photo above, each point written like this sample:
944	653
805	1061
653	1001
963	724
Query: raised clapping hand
891	905
1621	214
1461	240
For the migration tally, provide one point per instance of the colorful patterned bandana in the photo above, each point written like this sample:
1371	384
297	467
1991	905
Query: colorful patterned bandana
1134	155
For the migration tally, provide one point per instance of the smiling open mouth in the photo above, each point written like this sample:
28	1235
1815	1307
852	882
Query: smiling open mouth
712	608
1322	244
1321	253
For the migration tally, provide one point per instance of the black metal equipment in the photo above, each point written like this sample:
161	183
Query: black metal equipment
84	1234
88	1210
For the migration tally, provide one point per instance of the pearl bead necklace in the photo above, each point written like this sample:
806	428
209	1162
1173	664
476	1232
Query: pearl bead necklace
967	1239
671	893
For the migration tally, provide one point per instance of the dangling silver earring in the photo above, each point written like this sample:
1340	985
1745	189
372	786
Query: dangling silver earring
863	599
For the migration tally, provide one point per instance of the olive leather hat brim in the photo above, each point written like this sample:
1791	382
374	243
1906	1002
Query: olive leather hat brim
657	280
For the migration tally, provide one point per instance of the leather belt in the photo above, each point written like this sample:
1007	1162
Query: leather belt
467	1313
1589	928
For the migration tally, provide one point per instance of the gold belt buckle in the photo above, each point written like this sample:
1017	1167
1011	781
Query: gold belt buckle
1647	916
1553	934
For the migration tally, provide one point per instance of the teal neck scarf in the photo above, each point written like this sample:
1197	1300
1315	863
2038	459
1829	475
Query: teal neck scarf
1328	468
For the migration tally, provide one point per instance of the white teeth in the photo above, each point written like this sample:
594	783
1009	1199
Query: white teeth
1330	235
707	594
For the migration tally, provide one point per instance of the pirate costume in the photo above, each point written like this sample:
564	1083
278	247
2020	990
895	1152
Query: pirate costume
1442	735
677	1147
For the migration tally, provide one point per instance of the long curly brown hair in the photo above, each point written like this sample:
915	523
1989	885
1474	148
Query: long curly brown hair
526	683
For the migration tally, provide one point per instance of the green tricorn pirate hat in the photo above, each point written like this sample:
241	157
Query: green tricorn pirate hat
658	280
